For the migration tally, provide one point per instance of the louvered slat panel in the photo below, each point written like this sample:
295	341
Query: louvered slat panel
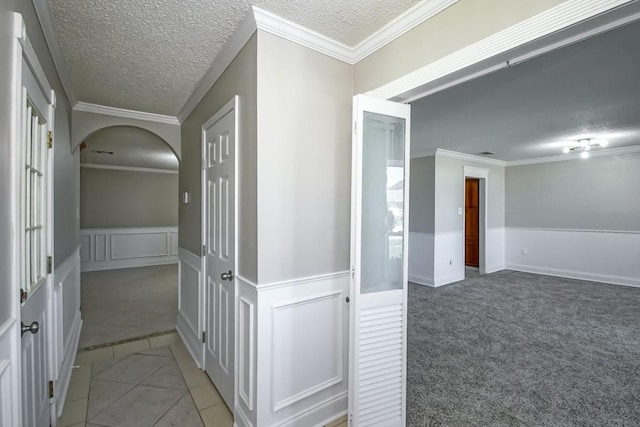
379	399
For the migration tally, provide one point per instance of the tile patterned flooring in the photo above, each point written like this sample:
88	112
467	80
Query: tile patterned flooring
150	382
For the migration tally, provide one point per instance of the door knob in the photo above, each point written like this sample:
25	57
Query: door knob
227	276
33	328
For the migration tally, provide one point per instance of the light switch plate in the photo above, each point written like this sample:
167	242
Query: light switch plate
185	198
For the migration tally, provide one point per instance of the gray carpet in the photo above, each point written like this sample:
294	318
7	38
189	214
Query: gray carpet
517	349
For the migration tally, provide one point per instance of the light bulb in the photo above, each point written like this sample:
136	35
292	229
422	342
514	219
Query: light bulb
566	150
584	155
583	143
604	143
587	148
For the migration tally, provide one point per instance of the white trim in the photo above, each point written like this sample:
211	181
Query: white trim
191	341
43	11
633	282
232	47
421	280
124	113
543	24
576	156
469	157
575	230
399	26
240	418
300	281
128	168
271	23
337	401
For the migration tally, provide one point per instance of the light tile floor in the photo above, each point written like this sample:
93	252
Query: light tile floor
150	382
128	303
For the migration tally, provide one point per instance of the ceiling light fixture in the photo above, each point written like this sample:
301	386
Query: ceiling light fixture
585	145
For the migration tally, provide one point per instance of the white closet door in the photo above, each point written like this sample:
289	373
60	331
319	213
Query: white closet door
378	324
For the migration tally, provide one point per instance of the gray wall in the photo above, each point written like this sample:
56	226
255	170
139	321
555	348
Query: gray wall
66	163
116	198
422	194
601	193
304	161
240	78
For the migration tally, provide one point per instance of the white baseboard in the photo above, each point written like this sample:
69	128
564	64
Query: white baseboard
333	407
494	268
112	248
240	418
446	280
568	274
421	280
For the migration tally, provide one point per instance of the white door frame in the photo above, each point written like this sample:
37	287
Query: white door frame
232	105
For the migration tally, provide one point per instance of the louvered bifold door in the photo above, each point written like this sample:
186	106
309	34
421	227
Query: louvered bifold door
378	319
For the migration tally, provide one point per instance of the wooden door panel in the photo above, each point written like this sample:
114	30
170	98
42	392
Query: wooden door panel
472	222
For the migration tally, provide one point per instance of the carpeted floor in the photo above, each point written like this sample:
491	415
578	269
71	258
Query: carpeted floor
517	349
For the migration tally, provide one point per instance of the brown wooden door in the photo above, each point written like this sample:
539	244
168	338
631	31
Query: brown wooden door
472	222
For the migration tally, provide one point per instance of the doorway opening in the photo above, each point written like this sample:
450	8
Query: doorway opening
474	221
128	235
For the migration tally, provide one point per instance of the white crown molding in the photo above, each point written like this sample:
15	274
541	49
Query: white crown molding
128	168
399	26
127	114
550	21
439	152
229	51
576	156
43	11
271	23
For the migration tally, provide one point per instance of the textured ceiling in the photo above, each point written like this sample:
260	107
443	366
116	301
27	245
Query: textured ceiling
533	109
131	146
148	55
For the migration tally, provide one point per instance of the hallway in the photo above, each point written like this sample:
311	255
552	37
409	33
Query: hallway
128	303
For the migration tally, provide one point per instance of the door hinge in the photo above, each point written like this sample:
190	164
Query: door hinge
355	128
350	419
50	139
204	250
203	335
49	265
50	389
204	163
23	295
353	272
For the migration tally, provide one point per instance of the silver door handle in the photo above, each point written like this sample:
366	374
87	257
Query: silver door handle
227	276
33	328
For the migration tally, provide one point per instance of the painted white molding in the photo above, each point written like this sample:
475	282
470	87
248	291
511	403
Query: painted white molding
292	282
190	301
599	256
576	156
246	377
399	26
550	21
232	47
43	11
469	157
271	23
421	280
124	113
111	248
309	394
9	373
128	168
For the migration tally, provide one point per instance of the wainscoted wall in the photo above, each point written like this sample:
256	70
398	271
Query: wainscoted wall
302	340
421	258
189	322
8	373
65	323
600	256
246	352
109	248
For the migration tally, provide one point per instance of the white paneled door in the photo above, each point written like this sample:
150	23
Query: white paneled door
219	147
36	240
378	323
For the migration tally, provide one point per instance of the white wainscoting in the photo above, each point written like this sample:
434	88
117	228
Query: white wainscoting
302	348
65	322
421	247
599	256
110	248
190	303
245	413
448	258
9	347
